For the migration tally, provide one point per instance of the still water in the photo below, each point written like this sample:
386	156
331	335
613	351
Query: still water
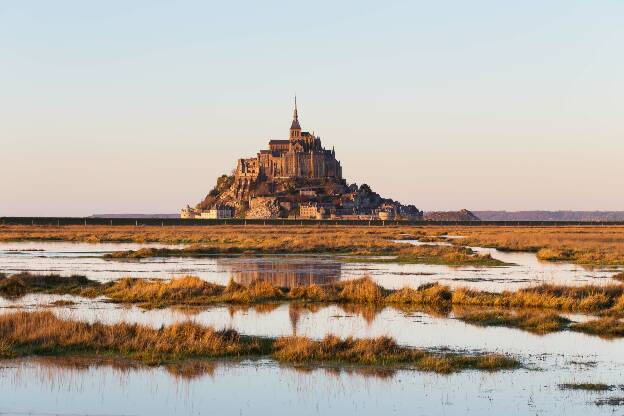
86	259
52	386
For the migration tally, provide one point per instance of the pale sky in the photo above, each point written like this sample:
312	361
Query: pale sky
137	106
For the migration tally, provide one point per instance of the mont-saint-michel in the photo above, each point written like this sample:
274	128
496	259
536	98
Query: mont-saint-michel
295	178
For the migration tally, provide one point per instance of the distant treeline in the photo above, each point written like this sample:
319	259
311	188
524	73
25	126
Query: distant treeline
550	215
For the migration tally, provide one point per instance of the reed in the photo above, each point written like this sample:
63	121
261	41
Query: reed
606	300
22	283
382	351
610	401
589	245
587	386
588	298
388	252
42	333
540	322
605	327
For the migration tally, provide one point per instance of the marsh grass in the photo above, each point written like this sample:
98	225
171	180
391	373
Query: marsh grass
380	252
22	283
517	309
382	351
540	322
588	245
607	300
610	401
591	245
42	333
62	303
605	327
589	386
587	299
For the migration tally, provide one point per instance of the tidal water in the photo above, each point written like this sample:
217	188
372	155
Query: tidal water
289	270
54	386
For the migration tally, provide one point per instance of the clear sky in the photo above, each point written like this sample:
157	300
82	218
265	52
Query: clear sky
137	106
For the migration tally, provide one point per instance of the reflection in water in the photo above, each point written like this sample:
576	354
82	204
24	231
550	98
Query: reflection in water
121	387
299	271
49	386
85	259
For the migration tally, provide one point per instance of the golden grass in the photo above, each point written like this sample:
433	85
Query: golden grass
366	298
590	245
381	351
588	298
266	237
212	240
42	333
23	283
540	322
605	327
192	291
389	252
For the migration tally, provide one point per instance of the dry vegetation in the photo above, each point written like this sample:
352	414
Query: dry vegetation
382	351
269	237
605	327
589	386
212	240
512	309
590	245
610	401
540	322
607	300
391	252
42	333
23	283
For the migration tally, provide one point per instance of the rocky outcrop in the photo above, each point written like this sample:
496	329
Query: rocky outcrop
461	215
264	208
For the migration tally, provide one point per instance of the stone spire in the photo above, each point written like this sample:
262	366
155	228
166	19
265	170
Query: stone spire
295	128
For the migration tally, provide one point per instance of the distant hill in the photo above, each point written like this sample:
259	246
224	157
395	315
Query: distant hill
462	215
550	215
135	216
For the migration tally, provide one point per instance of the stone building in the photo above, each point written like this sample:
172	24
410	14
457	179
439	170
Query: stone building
295	178
218	212
300	156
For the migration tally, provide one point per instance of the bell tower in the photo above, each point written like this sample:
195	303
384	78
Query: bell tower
295	128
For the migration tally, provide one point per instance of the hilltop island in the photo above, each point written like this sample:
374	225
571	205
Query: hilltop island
295	178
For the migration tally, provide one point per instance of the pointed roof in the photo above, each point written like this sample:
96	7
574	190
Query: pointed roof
295	123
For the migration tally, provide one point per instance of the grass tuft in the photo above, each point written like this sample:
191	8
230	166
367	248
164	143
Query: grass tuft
605	327
587	386
540	322
42	333
20	284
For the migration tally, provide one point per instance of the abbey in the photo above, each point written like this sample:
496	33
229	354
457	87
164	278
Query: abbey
295	178
300	156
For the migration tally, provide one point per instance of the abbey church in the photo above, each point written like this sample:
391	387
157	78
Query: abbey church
300	156
295	178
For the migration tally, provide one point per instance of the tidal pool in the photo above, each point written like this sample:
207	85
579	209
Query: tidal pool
70	386
289	270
